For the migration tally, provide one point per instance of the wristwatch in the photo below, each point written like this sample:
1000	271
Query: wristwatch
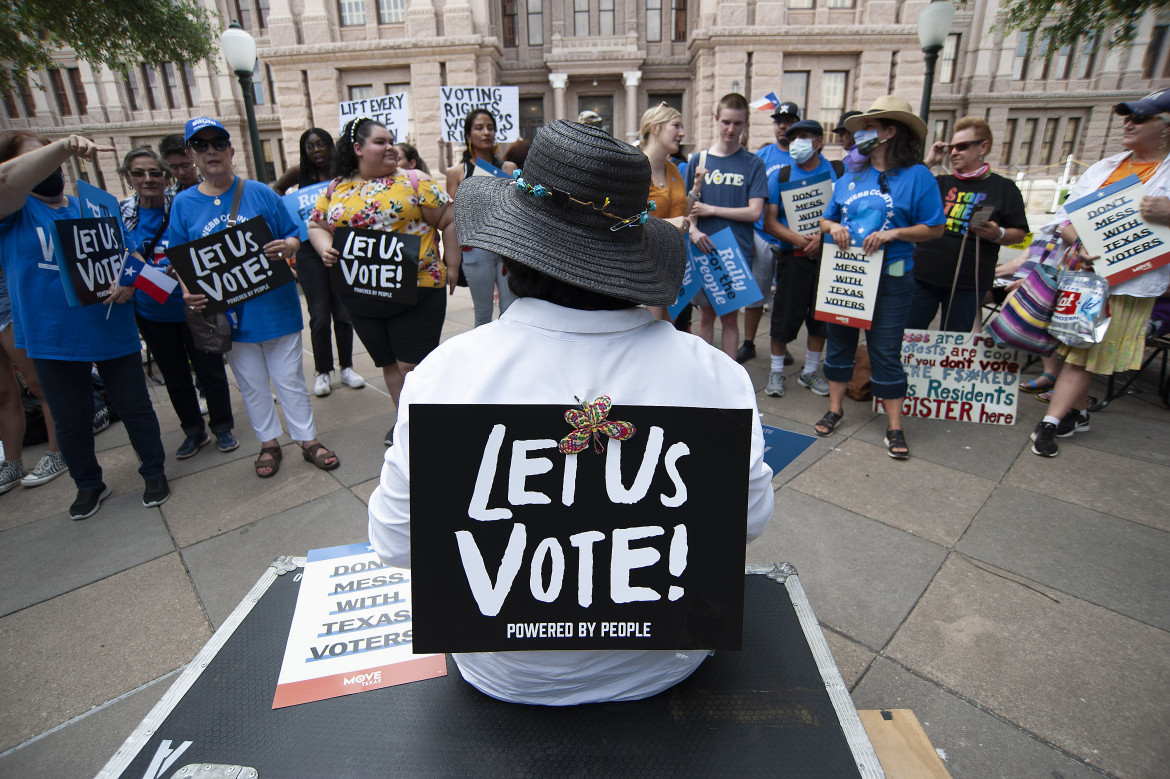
1001	234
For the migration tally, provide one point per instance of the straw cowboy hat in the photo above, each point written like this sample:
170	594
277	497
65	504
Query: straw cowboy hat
891	108
577	211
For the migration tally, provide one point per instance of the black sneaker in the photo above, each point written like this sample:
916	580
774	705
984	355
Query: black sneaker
746	352
88	502
1044	440
156	493
787	359
1074	422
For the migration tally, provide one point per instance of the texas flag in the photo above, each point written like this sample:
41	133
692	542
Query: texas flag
148	278
766	103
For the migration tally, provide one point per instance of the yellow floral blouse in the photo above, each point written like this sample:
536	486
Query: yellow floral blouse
391	205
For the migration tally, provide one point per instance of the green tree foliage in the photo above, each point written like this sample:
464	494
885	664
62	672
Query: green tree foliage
116	33
1066	21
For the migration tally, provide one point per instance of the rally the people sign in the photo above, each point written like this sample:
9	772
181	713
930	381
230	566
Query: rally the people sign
963	377
725	276
578	526
689	288
375	267
390	110
300	203
89	254
457	102
351	630
804	200
230	267
1109	225
847	286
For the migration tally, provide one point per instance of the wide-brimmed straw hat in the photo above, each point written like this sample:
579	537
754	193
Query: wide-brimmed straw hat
578	212
891	108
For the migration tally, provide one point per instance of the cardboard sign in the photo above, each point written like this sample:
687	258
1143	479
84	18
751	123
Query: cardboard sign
457	102
518	546
351	630
375	268
96	202
89	254
299	205
724	274
963	377
804	201
847	286
781	447
1108	223
229	267
390	110
690	286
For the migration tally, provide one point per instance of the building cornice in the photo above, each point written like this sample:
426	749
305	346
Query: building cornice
809	38
358	52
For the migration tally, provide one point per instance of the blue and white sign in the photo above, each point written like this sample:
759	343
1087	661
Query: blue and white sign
781	447
96	202
724	274
1110	225
299	205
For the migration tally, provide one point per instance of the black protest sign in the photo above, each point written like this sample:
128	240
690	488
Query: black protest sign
90	253
375	268
515	545
230	267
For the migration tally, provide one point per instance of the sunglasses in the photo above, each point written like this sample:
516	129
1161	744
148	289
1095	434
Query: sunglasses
962	147
1135	119
199	145
154	174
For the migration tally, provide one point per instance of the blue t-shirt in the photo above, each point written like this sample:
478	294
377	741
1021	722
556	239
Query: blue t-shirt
911	198
774	158
149	220
195	215
45	324
823	166
730	183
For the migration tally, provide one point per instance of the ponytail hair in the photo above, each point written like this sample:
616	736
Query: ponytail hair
356	130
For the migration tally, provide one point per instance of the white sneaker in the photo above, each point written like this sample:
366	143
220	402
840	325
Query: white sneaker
351	378
51	466
11	472
321	387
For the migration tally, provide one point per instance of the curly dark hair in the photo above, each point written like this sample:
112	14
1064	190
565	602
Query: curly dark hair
355	131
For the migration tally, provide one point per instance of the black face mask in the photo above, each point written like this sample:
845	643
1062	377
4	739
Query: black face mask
53	185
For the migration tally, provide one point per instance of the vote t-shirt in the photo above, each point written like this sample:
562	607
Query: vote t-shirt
730	182
195	215
46	326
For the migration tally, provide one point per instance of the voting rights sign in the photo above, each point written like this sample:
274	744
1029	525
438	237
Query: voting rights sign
230	267
583	525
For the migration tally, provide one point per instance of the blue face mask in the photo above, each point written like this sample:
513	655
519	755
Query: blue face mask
866	140
801	150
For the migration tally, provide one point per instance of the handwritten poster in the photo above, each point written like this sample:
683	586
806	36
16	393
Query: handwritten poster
804	200
390	110
1108	223
351	630
230	267
456	103
725	276
847	286
963	377
89	254
299	205
528	547
375	268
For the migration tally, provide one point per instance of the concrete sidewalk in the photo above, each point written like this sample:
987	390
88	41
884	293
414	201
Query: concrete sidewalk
1019	605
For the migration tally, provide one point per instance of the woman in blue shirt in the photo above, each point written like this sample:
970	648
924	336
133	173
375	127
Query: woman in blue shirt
66	341
892	202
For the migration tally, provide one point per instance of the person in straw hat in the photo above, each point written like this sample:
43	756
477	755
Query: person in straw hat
583	257
889	204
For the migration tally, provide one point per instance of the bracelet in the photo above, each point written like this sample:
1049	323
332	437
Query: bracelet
694	194
1001	234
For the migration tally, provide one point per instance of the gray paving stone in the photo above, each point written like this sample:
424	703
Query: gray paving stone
986	451
1111	562
973	743
224	568
1127	435
364	490
51	556
805	409
361	448
1076	675
818	449
920	497
844	561
852	659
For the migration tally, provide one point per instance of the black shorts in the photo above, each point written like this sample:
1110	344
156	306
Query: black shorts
796	289
406	333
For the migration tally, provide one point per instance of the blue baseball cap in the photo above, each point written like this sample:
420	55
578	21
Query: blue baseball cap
1150	105
203	123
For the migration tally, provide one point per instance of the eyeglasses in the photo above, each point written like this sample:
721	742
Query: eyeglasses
1135	119
154	173
964	145
199	145
179	167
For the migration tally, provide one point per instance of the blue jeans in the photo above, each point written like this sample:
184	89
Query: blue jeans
958	317
484	271
883	341
70	396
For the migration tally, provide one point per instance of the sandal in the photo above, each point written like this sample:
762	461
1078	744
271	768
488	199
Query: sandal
272	464
828	422
318	455
896	439
1034	385
1045	397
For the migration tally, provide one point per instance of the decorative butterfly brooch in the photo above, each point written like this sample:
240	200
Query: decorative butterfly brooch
589	422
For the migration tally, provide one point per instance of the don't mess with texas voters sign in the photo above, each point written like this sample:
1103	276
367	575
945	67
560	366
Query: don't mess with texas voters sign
584	525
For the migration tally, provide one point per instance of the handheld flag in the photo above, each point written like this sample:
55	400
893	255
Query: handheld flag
148	278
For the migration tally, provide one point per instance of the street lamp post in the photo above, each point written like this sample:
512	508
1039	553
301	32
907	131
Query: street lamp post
239	49
934	24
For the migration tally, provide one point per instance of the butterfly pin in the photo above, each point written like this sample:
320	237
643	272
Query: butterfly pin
590	421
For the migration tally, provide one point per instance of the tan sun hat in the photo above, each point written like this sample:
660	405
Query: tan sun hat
892	108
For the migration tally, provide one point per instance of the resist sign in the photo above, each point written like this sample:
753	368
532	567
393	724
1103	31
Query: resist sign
637	545
375	268
457	102
229	267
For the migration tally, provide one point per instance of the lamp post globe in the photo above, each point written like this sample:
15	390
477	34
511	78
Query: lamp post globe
934	24
239	49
